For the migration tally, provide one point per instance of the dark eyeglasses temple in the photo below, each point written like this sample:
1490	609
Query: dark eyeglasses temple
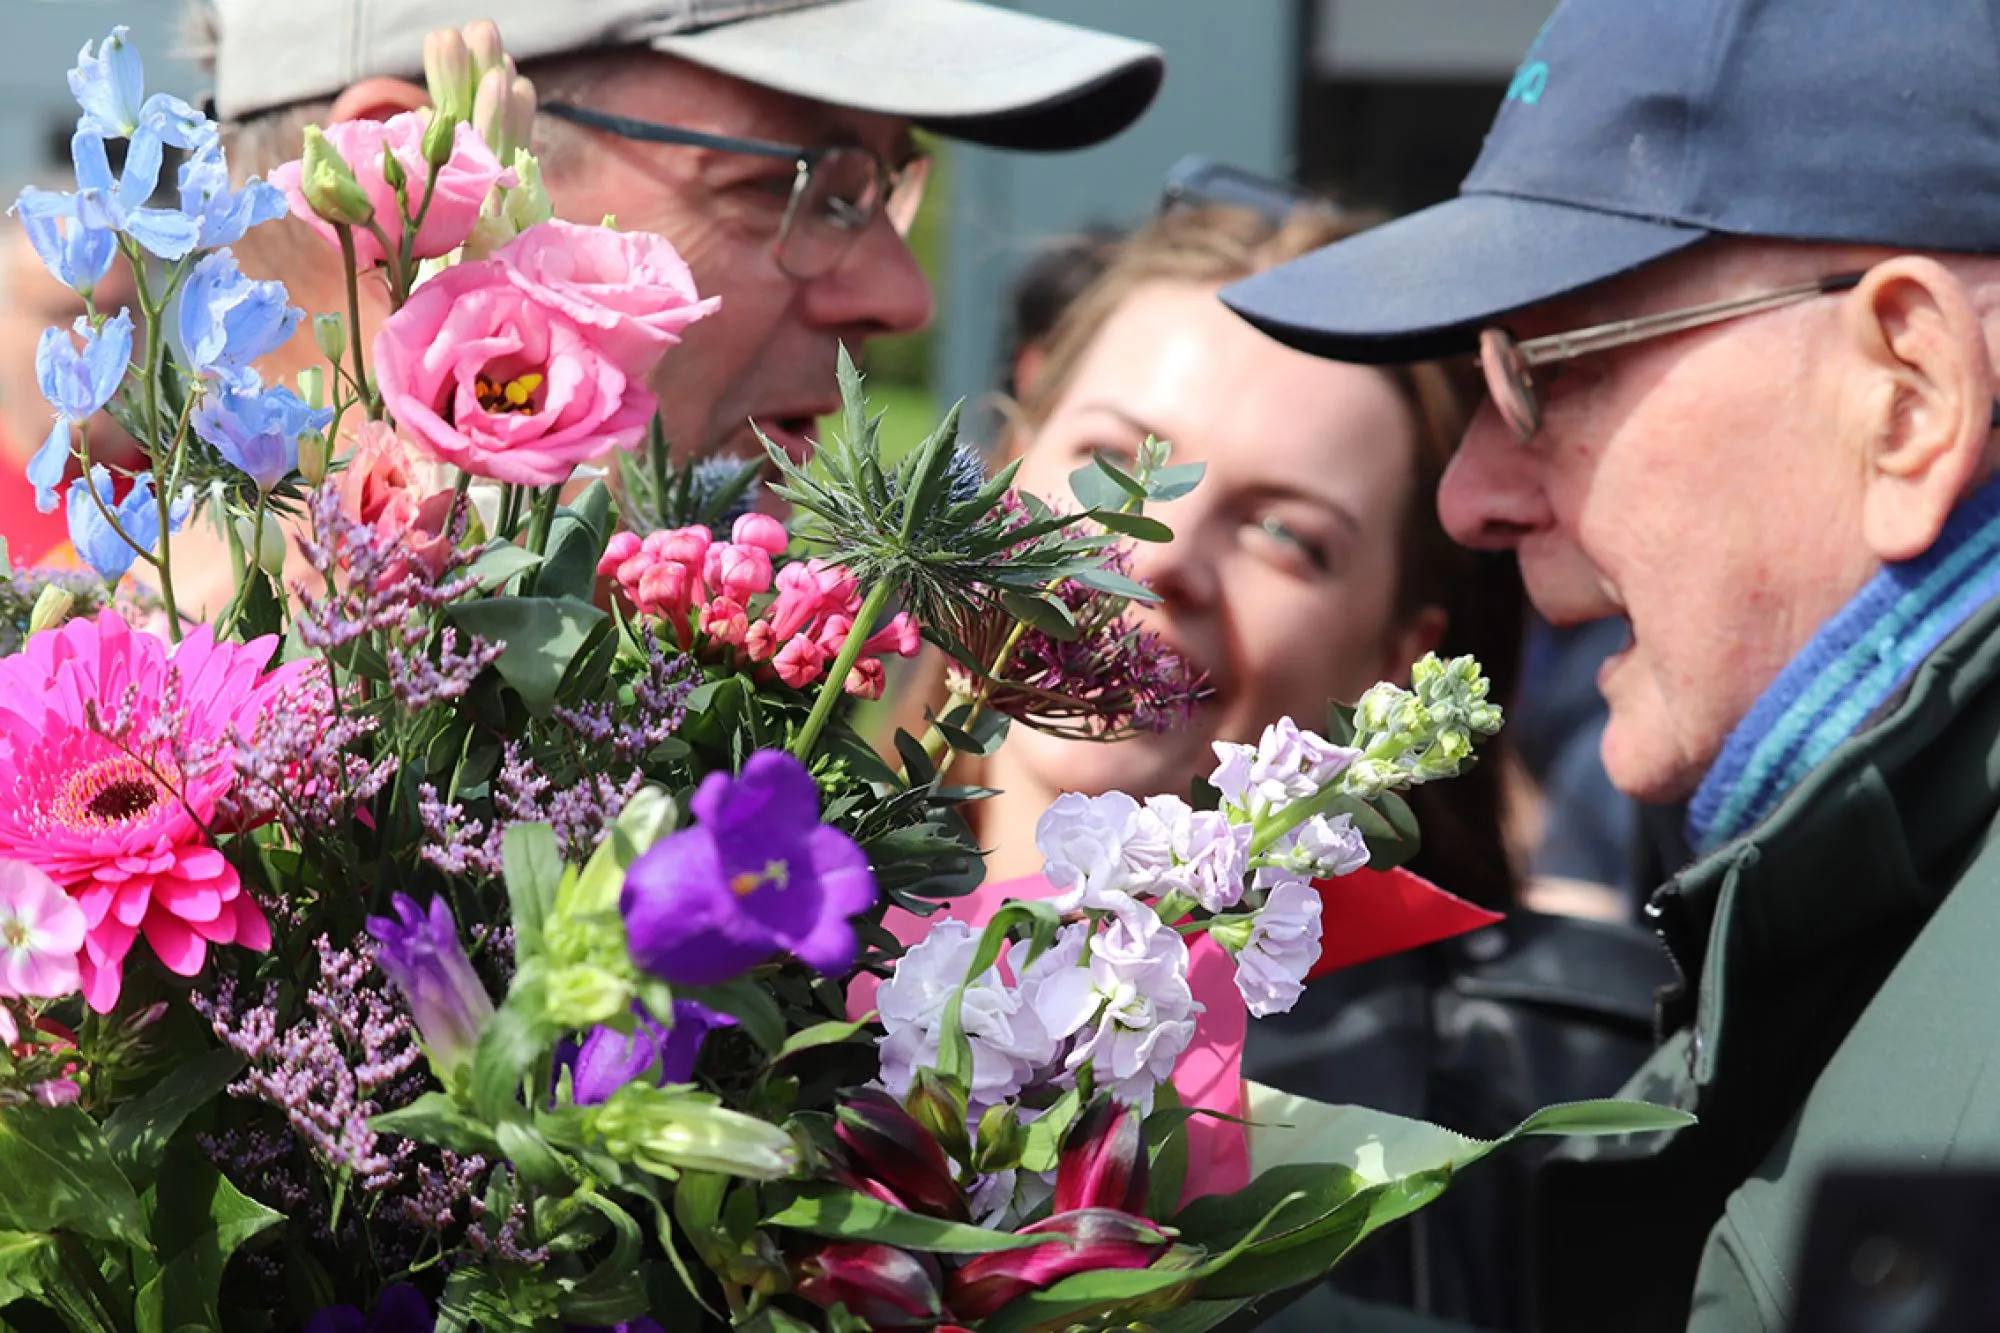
648	132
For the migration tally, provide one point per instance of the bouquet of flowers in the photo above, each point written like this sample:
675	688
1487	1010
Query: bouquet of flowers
471	924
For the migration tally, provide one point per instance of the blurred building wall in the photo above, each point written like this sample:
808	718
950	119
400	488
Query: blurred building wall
1381	102
41	42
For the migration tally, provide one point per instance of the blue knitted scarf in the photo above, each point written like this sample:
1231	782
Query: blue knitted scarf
1854	665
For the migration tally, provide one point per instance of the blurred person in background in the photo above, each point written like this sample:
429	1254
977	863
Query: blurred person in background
1307	565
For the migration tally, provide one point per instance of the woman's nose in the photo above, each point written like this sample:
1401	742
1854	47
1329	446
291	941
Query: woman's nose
1182	572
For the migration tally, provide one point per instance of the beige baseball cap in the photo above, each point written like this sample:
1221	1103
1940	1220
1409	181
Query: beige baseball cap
969	70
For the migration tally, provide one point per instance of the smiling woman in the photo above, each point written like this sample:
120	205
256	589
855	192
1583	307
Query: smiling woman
1306	565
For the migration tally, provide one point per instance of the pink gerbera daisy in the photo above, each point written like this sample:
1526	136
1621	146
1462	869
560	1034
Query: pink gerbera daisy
115	752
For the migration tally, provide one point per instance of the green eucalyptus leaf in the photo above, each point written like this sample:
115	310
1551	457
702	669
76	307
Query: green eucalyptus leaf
138	1131
542	636
576	540
57	1172
1044	613
1116	584
1136	526
1171	483
845	1214
1120	478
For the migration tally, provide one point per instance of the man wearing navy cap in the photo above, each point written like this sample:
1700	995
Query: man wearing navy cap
1727	266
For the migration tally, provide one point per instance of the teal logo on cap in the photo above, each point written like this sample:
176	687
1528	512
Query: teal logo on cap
1531	76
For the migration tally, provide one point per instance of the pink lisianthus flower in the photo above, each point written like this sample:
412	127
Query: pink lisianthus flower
485	375
115	754
385	487
41	933
631	289
462	184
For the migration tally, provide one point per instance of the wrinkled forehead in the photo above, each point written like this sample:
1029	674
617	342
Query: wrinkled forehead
654	86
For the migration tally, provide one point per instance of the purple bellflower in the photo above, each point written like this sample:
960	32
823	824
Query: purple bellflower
77	384
111	550
421	954
608	1059
401	1308
757	874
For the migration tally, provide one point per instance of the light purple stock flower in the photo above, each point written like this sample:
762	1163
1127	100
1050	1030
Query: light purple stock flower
1082	841
1283	945
421	954
1129	1005
756	875
1287	764
608	1059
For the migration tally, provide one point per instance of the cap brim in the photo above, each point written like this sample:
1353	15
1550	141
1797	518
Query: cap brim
968	70
1421	287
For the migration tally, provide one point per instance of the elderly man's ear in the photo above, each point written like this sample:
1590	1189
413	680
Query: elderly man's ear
378	98
1924	411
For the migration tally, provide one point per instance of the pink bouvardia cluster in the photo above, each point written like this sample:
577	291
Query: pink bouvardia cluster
727	598
115	758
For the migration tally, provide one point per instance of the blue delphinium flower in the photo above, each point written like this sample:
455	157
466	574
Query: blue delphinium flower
223	214
220	322
757	874
110	86
105	202
421	954
77	384
76	255
105	548
258	431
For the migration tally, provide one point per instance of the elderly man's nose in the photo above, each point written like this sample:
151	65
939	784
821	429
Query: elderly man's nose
1491	495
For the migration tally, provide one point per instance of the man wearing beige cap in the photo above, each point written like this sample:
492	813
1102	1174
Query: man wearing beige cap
769	140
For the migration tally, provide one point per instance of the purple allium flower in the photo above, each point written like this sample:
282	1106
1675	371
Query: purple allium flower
421	954
609	1059
757	874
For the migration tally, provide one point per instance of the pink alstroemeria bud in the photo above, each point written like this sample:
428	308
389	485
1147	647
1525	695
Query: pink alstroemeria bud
1097	1238
737	572
724	621
880	1285
886	1146
866	679
800	662
762	531
622	547
1103	1162
900	636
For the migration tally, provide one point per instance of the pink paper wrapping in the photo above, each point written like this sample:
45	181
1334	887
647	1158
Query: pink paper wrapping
1210	1072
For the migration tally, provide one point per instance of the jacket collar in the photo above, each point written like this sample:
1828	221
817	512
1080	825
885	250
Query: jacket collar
1860	851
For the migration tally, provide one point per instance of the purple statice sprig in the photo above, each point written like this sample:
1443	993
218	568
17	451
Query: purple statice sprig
369	586
330	1069
312	761
630	731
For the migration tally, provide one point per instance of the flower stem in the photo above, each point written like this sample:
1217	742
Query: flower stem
153	311
835	684
935	745
542	519
350	261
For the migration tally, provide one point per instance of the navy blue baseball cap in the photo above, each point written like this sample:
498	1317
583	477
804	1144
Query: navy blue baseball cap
1634	129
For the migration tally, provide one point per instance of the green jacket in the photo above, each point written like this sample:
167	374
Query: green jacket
1842	1006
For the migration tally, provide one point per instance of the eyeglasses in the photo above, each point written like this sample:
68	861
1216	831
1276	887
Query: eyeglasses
837	191
1510	365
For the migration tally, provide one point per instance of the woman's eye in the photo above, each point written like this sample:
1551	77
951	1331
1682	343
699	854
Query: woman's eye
1292	544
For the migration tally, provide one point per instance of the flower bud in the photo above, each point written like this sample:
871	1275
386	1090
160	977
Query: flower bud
52	606
330	336
1103	1162
940	1108
393	174
419	951
440	139
880	1285
328	183
1002	1140
448	74
894	1154
314	457
527	204
665	1133
489	112
269	554
1233	933
1097	1238
517	115
483	46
